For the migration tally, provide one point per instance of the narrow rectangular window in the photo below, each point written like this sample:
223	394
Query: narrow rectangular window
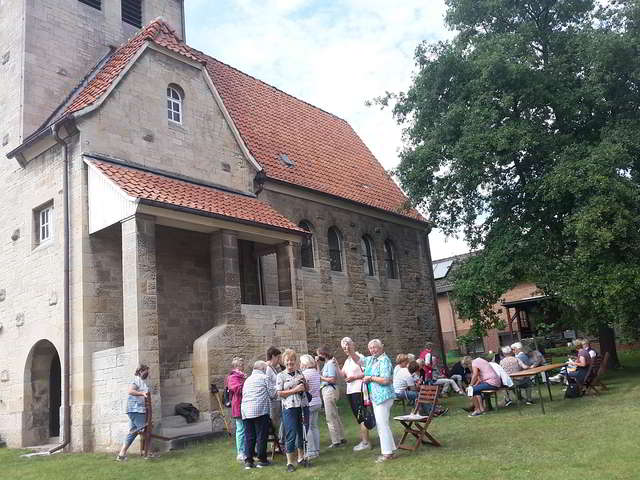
132	12
97	4
43	219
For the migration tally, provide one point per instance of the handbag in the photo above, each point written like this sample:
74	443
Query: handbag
226	394
365	410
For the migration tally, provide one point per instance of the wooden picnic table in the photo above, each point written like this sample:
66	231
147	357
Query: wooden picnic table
535	371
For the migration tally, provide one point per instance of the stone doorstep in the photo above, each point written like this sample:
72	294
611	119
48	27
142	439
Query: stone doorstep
52	443
176	421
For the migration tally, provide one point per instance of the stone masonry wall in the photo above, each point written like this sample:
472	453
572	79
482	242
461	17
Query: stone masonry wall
11	55
64	40
184	293
103	283
111	379
31	306
398	311
132	125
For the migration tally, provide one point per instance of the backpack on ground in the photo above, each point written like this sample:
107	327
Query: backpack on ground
573	391
190	413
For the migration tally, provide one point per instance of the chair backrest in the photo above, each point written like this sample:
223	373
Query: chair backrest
428	395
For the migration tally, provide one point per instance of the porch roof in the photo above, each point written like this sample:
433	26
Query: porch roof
525	301
154	189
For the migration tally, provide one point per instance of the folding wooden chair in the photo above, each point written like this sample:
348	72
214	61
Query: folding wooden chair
600	367
417	424
272	438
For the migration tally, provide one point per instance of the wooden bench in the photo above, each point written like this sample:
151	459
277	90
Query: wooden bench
488	393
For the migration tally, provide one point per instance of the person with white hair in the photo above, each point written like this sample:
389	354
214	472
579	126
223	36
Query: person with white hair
521	355
378	376
235	382
257	394
308	366
511	364
353	374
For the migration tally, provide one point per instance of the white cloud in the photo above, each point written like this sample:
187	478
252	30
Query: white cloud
335	55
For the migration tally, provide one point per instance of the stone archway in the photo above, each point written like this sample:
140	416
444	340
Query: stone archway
42	394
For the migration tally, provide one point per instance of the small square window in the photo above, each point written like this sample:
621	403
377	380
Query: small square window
43	218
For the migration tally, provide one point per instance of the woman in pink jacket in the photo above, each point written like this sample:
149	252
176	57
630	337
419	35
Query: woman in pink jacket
235	382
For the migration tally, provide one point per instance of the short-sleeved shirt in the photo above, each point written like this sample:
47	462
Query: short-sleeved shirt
272	375
587	358
135	403
510	364
286	381
524	358
313	380
487	374
257	393
330	369
402	380
351	369
379	367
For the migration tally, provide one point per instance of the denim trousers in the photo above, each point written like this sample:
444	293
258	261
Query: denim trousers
292	420
136	423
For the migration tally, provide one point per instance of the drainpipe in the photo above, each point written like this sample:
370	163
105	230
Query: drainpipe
66	440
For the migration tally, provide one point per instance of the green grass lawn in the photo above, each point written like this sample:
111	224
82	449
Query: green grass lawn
596	437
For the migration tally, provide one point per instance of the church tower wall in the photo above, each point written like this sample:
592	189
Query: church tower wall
52	44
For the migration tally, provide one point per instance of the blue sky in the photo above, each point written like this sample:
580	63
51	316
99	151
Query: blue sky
333	54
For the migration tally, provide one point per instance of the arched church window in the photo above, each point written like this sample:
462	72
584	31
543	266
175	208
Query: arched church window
335	249
368	256
174	104
306	249
390	262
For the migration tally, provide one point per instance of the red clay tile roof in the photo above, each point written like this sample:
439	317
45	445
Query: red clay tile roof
159	188
328	156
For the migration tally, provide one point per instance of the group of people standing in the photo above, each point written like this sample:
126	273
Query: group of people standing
284	394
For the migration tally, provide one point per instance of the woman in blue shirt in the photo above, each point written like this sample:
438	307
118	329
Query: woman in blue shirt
378	375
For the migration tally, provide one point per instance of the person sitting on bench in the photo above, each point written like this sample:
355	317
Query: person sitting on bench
483	378
510	364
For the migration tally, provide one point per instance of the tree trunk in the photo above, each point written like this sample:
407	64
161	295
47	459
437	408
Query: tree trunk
608	344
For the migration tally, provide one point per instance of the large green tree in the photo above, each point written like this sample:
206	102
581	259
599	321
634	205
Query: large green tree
524	132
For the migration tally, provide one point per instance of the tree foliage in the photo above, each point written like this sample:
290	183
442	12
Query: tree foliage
524	132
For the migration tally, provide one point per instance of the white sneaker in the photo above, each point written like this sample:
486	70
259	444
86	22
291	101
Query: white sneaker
240	457
361	446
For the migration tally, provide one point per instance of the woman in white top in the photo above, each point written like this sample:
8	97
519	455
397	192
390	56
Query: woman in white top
308	366
353	374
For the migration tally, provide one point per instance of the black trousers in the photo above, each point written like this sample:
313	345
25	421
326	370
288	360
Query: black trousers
256	431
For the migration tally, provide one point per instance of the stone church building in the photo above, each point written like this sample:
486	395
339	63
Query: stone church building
160	206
